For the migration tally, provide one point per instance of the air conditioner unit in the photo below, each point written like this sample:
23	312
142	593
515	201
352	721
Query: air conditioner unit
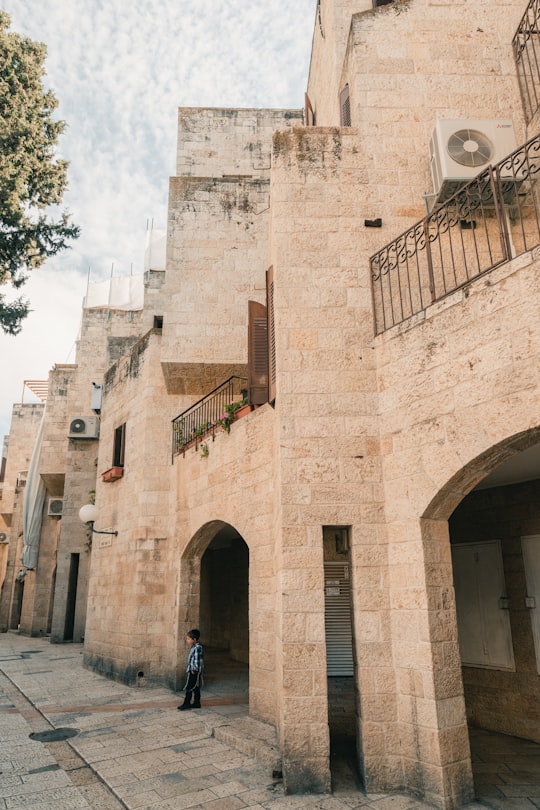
3	537
461	148
84	427
55	508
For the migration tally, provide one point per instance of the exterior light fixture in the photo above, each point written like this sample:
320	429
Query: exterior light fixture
88	514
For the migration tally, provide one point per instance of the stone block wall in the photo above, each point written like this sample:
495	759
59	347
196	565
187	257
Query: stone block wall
221	142
330	35
25	422
234	488
466	383
328	450
132	633
217	242
105	335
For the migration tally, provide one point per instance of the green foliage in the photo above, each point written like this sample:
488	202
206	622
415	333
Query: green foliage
32	177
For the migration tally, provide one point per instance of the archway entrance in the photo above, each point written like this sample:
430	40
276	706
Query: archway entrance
494	533
216	572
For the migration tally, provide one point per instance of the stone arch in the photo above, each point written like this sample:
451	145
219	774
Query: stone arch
474	471
455	683
214	591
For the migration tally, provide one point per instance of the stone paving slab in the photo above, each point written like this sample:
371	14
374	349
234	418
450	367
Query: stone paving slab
134	747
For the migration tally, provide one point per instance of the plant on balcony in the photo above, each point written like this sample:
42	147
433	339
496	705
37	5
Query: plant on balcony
202	430
227	417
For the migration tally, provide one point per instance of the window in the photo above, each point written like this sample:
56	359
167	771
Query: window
119	446
158	321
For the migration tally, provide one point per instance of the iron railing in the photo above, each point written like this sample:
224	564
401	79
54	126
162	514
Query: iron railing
491	220
526	45
207	415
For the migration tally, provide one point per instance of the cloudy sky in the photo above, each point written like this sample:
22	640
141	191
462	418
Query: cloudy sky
120	70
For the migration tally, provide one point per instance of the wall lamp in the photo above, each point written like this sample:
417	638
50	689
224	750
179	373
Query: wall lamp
88	514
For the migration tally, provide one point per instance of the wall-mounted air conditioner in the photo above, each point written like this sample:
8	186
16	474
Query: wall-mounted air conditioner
84	427
3	538
55	508
461	148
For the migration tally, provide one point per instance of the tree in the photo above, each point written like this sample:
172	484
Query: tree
32	177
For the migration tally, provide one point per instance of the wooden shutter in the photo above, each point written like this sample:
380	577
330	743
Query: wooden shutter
257	353
271	335
345	107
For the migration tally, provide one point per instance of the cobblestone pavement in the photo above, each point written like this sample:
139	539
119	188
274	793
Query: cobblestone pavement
72	739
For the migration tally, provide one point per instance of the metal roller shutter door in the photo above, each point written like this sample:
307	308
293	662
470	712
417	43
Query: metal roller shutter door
337	600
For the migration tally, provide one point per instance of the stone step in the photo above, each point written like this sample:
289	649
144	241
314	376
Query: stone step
252	737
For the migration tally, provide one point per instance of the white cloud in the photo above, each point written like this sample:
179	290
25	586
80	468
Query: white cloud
120	71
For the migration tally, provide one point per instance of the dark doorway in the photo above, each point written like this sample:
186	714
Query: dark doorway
71	597
342	713
16	608
224	605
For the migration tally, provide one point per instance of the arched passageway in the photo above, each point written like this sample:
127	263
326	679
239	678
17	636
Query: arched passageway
494	535
215	577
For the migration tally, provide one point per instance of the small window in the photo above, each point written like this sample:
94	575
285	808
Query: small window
345	107
377	3
119	446
158	321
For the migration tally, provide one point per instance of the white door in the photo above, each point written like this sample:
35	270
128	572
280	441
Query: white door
337	600
485	639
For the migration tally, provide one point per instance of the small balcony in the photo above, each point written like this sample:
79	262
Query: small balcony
213	413
526	45
489	221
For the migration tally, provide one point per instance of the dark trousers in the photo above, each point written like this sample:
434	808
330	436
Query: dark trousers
192	688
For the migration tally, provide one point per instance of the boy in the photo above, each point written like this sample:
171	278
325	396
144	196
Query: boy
194	669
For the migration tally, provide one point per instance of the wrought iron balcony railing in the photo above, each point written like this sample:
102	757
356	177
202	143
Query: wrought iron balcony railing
526	45
491	220
210	413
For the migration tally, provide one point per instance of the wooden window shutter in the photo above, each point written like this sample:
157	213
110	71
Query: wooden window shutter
345	107
271	335
257	353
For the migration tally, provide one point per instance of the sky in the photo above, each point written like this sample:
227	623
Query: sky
120	70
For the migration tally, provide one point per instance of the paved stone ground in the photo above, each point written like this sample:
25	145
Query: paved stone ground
132	749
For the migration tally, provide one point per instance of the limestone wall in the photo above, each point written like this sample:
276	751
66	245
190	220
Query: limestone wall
327	412
221	142
330	36
131	619
25	422
235	486
217	242
467	383
104	336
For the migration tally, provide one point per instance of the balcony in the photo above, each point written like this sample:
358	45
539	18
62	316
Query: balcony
213	413
526	45
488	222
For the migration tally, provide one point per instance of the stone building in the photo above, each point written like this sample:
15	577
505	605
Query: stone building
363	274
